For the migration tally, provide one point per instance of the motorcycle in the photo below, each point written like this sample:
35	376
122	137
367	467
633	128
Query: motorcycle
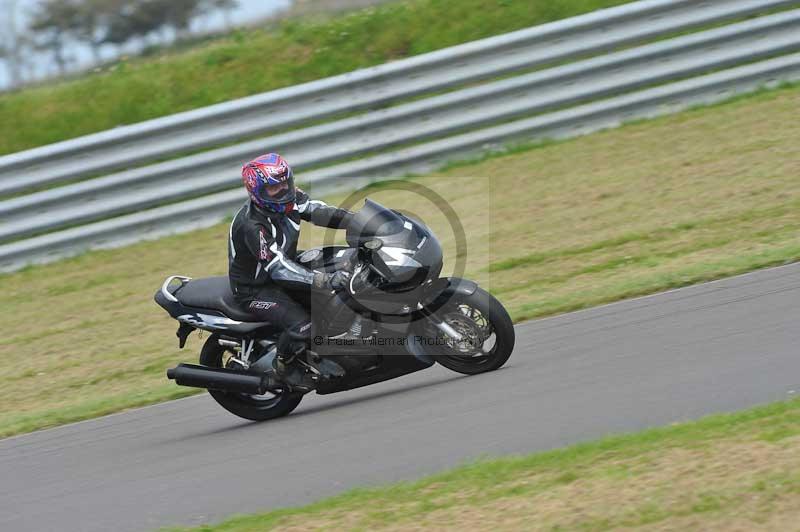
396	316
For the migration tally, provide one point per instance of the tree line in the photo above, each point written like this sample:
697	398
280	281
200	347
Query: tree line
50	25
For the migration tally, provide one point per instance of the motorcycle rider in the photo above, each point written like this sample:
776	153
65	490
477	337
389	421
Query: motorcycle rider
261	256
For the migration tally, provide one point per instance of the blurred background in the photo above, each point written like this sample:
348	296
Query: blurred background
42	39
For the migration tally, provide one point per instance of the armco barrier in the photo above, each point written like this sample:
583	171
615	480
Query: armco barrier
574	98
367	88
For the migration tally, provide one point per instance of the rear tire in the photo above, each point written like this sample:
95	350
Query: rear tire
254	408
494	320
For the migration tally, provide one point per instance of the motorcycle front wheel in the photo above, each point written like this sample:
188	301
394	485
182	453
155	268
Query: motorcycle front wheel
486	330
252	407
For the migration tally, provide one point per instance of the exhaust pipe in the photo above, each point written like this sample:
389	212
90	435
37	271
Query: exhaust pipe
224	380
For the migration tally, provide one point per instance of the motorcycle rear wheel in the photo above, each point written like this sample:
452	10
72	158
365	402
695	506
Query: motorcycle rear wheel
252	407
479	318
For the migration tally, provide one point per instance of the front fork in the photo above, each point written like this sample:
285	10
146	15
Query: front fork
443	326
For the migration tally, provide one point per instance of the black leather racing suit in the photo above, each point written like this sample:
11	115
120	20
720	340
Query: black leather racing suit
261	261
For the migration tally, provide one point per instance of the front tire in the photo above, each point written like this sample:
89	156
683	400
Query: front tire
482	320
254	408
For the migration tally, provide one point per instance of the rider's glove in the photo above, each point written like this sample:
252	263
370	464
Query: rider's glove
338	280
335	281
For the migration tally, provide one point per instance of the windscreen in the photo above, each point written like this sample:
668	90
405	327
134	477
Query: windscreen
373	220
410	252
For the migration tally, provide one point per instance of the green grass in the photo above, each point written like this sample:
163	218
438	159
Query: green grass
252	61
724	472
653	205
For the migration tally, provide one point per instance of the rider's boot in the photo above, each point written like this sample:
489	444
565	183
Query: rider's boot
304	376
300	367
290	371
325	366
290	350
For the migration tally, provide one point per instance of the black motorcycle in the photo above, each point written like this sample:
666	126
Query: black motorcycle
397	316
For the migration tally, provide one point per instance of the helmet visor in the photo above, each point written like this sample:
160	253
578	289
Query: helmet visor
282	192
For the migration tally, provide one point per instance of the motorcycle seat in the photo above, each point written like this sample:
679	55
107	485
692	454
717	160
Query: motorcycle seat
213	293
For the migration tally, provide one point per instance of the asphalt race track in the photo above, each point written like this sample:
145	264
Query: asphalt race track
650	361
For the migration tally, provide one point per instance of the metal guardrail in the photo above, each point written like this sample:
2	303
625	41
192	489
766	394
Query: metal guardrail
558	97
209	210
429	118
367	88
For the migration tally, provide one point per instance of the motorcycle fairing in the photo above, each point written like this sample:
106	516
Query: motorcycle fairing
387	368
409	254
432	296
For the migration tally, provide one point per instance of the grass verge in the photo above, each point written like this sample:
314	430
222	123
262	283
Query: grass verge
653	205
726	472
255	60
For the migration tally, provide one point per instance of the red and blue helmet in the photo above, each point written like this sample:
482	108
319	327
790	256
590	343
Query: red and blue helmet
270	182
